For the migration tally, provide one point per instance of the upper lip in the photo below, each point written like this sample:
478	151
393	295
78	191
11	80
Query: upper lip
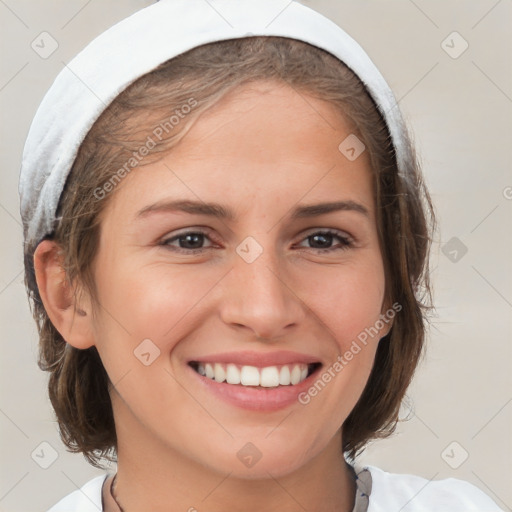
258	359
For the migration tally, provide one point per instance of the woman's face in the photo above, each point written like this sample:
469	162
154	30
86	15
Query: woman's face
231	256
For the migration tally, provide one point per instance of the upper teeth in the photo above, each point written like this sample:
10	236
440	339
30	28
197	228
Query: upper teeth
268	377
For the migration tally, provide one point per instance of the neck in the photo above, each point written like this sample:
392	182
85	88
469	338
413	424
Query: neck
155	477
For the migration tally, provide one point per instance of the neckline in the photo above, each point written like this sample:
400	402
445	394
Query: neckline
361	476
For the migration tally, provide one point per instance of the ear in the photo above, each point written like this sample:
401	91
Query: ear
72	320
388	314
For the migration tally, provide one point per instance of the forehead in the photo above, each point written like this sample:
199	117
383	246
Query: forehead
265	109
261	141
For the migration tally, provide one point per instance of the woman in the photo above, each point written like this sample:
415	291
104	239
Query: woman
227	239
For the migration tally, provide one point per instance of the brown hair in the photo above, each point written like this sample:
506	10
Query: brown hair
78	384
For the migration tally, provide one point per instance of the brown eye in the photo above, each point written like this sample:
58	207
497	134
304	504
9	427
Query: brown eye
191	242
323	241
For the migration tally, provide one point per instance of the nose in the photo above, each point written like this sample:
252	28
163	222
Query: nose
258	298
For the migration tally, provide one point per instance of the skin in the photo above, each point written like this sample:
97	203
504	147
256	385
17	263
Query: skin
261	151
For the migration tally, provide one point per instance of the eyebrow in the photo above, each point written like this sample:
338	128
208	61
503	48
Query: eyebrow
221	212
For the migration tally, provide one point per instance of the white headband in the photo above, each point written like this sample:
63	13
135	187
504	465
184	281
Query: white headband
136	46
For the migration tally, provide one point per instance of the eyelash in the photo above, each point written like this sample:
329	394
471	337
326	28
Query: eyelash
346	241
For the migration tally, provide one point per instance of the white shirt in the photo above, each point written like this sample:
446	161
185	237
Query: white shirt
377	491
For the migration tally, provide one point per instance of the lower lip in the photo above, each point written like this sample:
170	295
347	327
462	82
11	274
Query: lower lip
256	399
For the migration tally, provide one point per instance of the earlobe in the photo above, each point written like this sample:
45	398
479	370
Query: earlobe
387	320
387	330
72	320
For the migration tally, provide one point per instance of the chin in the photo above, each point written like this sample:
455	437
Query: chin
251	463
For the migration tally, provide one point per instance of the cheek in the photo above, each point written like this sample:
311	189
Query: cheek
153	302
144	311
347	300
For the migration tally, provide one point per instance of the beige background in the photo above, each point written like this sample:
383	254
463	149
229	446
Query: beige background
460	111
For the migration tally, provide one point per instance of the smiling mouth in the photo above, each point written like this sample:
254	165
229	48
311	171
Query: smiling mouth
252	376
